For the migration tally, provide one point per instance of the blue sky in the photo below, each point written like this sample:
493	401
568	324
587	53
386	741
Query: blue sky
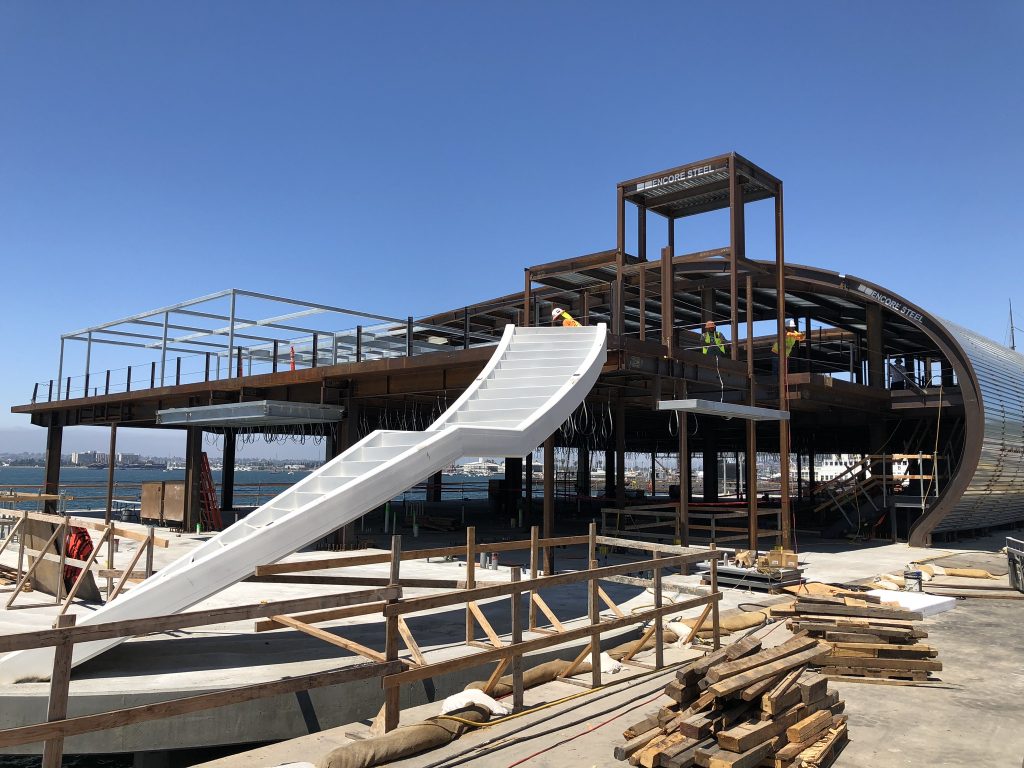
409	157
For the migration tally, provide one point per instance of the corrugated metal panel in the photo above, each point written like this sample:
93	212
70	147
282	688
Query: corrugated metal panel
996	491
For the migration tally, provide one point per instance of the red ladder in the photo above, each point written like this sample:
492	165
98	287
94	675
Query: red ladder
210	508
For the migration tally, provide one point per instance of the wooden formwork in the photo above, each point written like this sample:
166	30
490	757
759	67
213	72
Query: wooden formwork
387	600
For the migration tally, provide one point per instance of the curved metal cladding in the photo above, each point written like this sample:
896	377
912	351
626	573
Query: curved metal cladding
990	500
995	491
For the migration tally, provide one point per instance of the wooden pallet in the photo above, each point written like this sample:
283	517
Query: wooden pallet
916	675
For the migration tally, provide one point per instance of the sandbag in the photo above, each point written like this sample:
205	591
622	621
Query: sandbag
404	741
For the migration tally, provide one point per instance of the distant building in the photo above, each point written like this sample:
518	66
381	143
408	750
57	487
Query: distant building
128	458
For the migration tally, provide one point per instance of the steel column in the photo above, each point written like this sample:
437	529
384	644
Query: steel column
51	482
231	331
780	289
227	473
163	351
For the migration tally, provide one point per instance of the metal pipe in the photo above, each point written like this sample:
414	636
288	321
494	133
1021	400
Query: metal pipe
230	333
163	351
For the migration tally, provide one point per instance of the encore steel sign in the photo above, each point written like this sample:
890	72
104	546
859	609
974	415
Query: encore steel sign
894	304
674	178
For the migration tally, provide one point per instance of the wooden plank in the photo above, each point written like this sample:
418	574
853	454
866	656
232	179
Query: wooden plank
752	757
625	751
743	737
685	757
639	644
757	690
547	612
738	682
918	675
93	525
697	625
893	650
650	755
786	683
129	628
870	630
410	641
810	726
610	603
865	612
486	625
793	749
327	637
349	561
772	707
788	648
499	670
330	614
812	687
139	551
60	683
873	663
843	678
28	734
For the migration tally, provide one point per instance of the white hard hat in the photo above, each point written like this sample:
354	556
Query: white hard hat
556	312
791	323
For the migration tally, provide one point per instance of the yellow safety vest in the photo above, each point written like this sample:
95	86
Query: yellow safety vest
716	340
792	337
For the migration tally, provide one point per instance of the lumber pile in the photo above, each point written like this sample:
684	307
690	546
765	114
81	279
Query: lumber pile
867	639
743	706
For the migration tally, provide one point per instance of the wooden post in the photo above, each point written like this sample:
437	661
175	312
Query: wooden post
392	695
149	551
470	577
534	564
21	543
593	603
659	651
592	542
517	637
714	589
63	559
60	680
549	504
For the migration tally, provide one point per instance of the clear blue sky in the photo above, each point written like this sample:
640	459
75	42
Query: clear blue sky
409	157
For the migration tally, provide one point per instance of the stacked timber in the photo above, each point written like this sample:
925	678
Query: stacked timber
740	707
867	639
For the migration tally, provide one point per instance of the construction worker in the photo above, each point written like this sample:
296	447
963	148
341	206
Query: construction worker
793	337
714	341
567	320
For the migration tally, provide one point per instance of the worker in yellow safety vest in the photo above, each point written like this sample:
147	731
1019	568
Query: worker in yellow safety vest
714	341
567	320
793	337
